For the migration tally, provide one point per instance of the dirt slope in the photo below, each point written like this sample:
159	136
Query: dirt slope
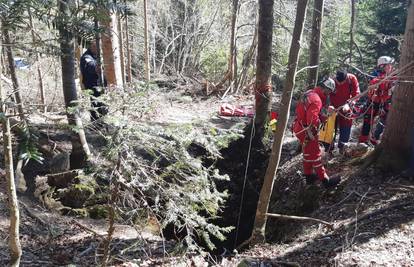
372	216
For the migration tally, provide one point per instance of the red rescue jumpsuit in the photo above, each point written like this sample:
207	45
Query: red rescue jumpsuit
380	98
344	91
308	113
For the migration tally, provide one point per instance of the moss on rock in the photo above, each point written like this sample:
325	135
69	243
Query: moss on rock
98	212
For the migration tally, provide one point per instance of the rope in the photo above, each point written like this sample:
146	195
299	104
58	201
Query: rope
245	179
388	77
259	90
361	115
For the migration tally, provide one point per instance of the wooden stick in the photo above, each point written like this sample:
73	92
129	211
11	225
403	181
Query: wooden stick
298	218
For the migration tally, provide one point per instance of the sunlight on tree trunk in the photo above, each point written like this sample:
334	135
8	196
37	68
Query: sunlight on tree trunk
110	48
397	141
121	48
146	48
315	43
128	51
14	241
259	227
263	87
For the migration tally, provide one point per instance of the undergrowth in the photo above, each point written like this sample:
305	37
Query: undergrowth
160	176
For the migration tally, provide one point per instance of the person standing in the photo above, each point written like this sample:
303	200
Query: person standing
311	112
379	101
347	87
92	80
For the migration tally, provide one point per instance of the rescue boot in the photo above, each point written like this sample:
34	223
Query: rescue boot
330	182
311	179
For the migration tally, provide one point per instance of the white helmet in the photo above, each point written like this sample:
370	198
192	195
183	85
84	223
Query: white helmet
385	60
329	84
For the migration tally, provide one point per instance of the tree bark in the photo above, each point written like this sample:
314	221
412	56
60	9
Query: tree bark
110	48
352	30
98	43
14	241
39	69
121	48
128	51
259	227
232	57
80	149
397	141
12	69
146	47
315	43
263	88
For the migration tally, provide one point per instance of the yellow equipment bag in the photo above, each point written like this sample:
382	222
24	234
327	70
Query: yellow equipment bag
327	132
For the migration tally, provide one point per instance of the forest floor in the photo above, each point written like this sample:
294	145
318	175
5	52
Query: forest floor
372	215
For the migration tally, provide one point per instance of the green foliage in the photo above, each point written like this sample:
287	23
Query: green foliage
214	62
163	172
28	145
383	26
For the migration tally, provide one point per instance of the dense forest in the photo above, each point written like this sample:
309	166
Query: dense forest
207	133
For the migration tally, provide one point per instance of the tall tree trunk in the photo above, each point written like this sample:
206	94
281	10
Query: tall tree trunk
259	227
78	55
232	57
352	30
248	58
98	43
80	149
110	48
121	48
315	43
12	69
128	51
146	48
397	141
39	69
263	87
14	241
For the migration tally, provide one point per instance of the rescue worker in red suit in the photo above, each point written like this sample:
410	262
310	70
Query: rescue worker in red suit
311	112
379	101
346	87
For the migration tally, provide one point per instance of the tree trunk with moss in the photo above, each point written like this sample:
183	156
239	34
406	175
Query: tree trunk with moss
315	42
263	87
259	227
397	142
